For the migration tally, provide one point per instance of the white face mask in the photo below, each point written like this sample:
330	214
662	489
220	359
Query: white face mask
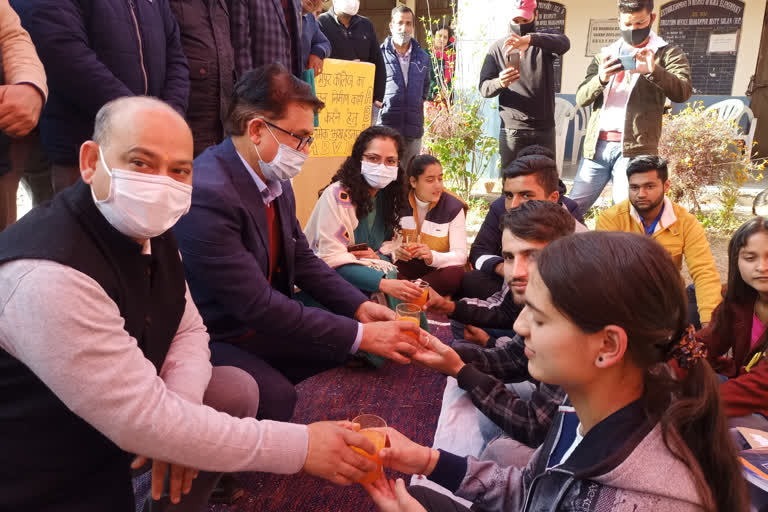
378	175
142	205
349	7
401	38
286	164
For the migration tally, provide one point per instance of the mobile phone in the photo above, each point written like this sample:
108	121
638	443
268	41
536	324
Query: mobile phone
628	62
357	247
513	59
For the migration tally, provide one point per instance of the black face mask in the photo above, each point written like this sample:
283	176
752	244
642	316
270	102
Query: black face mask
524	29
636	36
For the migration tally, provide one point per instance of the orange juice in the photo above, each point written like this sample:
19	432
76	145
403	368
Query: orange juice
378	438
421	301
415	321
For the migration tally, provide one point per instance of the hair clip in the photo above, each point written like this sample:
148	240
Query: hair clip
688	350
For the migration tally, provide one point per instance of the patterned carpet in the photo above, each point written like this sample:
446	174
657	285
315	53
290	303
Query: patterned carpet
408	397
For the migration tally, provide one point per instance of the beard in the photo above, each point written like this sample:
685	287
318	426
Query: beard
648	206
518	297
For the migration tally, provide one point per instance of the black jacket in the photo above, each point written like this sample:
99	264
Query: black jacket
488	239
528	103
95	51
358	41
205	38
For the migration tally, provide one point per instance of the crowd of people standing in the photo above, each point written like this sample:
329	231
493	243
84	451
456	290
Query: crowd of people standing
158	311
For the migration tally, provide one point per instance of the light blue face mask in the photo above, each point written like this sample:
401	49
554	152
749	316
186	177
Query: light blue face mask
286	164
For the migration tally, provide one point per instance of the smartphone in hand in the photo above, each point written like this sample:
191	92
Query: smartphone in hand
357	247
628	62
513	59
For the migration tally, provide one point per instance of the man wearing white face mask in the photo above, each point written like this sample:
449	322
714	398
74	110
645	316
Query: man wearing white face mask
353	37
244	252
407	82
115	360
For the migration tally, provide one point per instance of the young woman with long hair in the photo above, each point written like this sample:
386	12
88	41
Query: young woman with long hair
740	325
604	313
434	224
362	205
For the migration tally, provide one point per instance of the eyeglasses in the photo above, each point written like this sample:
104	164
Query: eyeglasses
304	142
376	159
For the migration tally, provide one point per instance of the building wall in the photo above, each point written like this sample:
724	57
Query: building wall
483	21
579	12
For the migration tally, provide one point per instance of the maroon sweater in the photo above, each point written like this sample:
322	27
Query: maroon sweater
745	392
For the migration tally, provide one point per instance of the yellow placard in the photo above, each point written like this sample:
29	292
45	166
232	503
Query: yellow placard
346	88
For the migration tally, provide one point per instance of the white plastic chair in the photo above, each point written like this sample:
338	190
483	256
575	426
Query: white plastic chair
733	110
564	112
728	110
580	121
749	137
23	199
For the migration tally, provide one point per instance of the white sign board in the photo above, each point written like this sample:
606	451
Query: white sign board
723	43
602	32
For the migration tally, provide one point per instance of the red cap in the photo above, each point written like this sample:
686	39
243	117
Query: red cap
523	9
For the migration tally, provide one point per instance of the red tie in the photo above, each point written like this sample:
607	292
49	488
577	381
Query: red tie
275	242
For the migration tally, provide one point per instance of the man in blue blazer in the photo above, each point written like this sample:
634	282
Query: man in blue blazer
244	250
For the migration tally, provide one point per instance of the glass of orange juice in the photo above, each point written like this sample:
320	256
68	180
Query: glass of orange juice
409	313
375	429
424	286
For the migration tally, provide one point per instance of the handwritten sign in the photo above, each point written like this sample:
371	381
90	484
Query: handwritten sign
346	88
602	33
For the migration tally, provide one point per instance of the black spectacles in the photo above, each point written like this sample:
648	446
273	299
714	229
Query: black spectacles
304	142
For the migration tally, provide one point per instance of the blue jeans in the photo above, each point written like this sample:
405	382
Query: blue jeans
608	164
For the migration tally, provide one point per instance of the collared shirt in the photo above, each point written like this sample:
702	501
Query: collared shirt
269	190
405	61
651	228
666	218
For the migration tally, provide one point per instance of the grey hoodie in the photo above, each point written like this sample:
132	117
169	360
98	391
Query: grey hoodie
617	467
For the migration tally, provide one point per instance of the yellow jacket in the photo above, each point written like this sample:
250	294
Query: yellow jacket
682	235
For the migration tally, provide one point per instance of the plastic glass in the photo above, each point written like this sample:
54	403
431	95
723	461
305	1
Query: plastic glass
375	429
409	313
424	286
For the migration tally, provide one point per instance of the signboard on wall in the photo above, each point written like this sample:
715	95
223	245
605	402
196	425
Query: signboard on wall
708	32
602	32
552	19
346	88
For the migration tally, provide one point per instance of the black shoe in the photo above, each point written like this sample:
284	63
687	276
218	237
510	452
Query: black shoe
228	491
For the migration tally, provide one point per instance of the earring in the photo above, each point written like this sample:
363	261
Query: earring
600	359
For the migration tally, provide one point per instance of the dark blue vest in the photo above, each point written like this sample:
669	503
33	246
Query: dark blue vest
403	107
51	458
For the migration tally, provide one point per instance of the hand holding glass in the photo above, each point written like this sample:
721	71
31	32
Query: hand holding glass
409	313
375	429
